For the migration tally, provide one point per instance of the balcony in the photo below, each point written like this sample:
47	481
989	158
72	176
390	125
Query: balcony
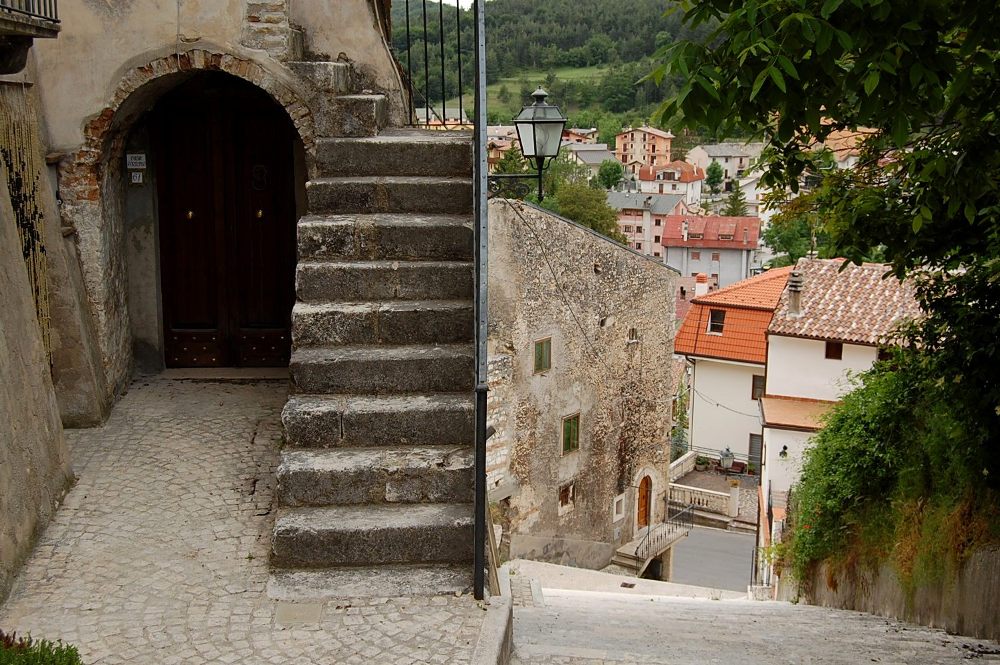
22	21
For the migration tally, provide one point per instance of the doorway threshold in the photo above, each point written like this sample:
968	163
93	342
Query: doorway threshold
226	374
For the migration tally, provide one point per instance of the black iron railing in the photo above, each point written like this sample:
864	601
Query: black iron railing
47	10
658	536
432	45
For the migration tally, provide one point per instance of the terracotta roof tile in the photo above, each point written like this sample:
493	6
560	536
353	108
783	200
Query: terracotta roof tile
855	305
711	227
748	305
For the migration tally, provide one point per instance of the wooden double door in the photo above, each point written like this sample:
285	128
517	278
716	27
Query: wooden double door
225	163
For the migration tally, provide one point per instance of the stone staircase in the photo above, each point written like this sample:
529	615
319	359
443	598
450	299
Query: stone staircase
375	483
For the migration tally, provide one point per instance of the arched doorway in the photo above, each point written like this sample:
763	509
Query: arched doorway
226	202
645	502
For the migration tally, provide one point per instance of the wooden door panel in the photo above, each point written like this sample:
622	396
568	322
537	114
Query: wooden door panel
645	487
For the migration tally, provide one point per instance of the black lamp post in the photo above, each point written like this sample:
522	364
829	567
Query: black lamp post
539	129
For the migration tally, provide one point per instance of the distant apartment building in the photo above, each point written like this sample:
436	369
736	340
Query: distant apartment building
643	146
499	139
677	177
580	135
641	218
734	158
724	338
591	155
724	248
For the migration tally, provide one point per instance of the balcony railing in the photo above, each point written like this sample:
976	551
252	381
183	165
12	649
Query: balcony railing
660	536
46	10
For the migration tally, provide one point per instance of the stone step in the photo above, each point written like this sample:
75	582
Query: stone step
412	474
399	236
325	421
380	370
397	152
368	535
352	115
355	281
329	77
291	585
377	194
398	322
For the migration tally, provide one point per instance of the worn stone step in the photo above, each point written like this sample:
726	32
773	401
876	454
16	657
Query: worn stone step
411	474
329	77
324	421
292	585
354	281
378	194
397	152
388	236
398	322
369	535
380	370
352	115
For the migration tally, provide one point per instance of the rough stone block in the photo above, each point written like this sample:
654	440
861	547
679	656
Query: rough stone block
354	281
352	115
397	152
402	322
447	195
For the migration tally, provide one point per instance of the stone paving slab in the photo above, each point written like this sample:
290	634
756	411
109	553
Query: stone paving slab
159	553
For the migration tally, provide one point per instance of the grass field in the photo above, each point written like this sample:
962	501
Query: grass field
534	78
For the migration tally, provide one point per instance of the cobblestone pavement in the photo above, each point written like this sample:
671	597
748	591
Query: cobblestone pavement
592	628
159	553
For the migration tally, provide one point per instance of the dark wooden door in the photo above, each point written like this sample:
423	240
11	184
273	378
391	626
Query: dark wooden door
225	170
645	497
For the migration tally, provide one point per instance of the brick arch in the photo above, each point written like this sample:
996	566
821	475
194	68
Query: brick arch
80	171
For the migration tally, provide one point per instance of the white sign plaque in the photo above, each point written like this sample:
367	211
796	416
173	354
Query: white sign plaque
136	177
135	160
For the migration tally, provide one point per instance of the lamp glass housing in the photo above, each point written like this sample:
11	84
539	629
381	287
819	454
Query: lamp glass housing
540	128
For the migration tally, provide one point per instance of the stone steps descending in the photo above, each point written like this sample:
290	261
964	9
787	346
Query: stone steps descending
411	474
397	152
393	322
380	370
369	534
388	237
378	194
322	421
357	281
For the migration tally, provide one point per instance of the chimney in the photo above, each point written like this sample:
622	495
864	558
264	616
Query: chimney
684	230
700	284
795	283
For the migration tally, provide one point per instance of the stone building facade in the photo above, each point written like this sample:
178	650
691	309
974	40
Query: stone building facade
101	84
605	313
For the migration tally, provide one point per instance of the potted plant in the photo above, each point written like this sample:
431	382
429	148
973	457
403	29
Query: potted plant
701	463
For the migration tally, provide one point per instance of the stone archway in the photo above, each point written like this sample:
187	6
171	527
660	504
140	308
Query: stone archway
90	182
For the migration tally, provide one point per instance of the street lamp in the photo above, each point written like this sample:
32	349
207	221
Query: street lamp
539	129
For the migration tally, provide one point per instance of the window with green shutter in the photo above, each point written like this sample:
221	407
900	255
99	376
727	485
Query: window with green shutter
571	433
543	355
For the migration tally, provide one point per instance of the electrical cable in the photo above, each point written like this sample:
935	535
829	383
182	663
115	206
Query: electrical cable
722	406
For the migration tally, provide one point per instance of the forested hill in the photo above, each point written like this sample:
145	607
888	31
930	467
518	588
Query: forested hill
547	34
534	34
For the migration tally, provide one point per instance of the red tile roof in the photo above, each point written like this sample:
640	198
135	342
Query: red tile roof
686	172
749	305
858	304
711	227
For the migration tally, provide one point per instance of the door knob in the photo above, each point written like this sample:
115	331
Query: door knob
190	214
260	214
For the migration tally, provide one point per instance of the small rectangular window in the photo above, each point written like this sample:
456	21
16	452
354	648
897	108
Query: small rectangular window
656	238
696	256
638	245
715	256
834	351
656	253
659	222
716	321
543	355
695	236
571	433
567	494
757	388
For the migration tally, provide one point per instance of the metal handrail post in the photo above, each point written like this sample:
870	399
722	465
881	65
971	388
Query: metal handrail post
481	303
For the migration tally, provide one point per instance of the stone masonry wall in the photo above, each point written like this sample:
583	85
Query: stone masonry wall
609	313
34	463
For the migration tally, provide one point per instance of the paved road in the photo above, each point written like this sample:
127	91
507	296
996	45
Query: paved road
714	558
599	628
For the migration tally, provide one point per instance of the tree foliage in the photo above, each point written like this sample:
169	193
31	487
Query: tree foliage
610	174
713	177
736	203
586	206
